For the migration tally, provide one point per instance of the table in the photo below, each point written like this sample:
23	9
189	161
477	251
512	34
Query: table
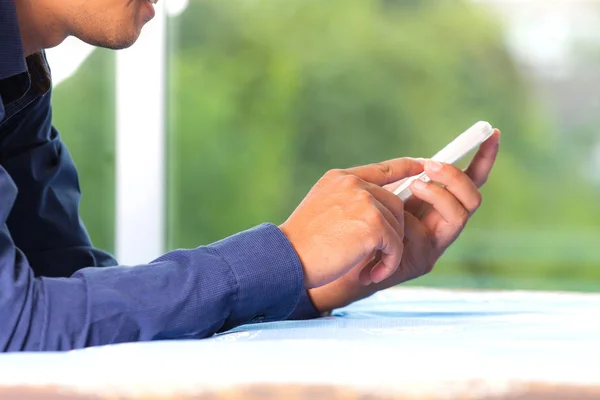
409	343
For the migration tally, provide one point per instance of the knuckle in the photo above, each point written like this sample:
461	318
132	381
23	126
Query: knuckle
473	203
384	168
374	218
334	173
350	181
477	200
462	217
364	197
452	171
371	239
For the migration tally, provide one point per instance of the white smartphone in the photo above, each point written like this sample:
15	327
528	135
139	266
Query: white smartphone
454	151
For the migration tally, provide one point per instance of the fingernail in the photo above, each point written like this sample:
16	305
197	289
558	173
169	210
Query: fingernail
419	185
365	279
434	165
378	274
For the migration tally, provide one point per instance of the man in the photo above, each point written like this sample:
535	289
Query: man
348	238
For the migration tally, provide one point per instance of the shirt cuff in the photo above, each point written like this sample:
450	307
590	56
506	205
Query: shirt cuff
305	309
268	273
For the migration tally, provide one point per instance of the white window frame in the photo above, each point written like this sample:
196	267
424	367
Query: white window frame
140	145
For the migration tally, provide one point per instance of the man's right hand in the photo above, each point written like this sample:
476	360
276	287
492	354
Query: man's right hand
347	216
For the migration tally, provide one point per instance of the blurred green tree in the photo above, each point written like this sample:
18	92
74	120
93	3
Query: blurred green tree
84	113
265	96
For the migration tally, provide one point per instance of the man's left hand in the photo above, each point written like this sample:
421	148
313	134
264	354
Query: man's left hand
434	218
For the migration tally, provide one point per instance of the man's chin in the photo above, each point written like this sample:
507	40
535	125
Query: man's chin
124	42
119	42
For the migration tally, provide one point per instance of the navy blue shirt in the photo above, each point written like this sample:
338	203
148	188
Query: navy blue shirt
58	292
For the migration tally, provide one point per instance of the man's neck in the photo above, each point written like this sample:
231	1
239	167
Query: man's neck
38	25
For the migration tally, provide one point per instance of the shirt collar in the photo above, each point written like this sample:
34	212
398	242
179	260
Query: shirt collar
12	59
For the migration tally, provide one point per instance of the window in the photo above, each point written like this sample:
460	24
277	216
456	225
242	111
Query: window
252	101
84	113
265	96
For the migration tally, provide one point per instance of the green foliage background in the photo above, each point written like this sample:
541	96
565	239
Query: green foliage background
265	96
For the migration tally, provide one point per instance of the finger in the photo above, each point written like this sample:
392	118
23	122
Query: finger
456	182
364	276
481	165
387	199
395	219
416	233
388	239
415	230
421	241
389	171
386	209
391	187
396	223
444	202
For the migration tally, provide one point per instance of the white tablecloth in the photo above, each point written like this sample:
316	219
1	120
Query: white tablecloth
409	341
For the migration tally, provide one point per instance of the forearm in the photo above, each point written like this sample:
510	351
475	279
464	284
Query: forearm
252	276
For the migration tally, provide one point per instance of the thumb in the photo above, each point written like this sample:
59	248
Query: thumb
389	171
